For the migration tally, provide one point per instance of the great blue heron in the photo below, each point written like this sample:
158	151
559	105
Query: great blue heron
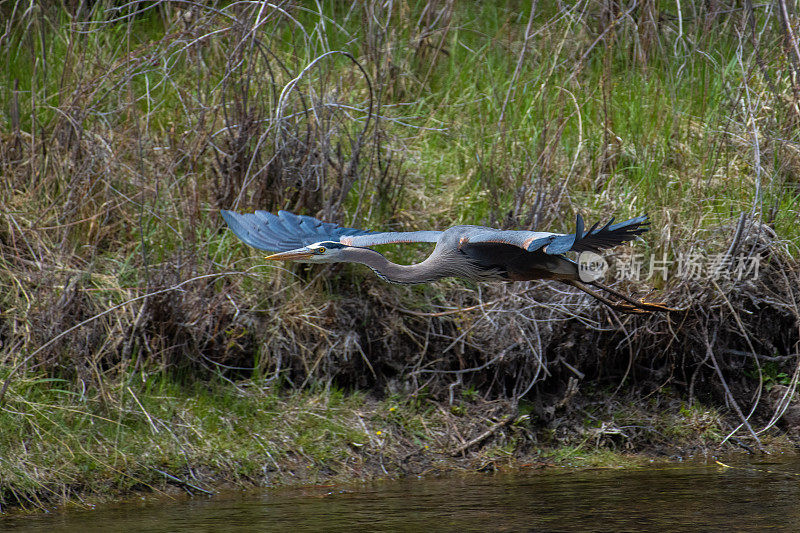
473	252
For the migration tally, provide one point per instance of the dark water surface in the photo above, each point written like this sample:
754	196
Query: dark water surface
752	496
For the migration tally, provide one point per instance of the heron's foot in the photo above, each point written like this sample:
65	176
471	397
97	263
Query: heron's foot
642	307
627	308
658	306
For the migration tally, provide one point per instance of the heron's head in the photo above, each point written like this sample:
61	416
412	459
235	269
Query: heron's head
319	252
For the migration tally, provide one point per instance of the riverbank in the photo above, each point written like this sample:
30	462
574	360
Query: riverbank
150	436
143	347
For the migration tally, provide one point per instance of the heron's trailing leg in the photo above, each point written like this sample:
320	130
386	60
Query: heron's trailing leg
650	306
621	307
630	305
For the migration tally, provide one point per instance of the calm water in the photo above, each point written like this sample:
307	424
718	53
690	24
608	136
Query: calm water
751	496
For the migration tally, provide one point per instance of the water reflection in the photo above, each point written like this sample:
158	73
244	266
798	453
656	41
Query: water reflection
752	496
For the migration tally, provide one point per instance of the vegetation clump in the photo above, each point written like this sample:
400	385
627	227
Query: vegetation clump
141	344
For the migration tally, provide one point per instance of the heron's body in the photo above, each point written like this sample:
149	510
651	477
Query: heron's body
473	252
477	262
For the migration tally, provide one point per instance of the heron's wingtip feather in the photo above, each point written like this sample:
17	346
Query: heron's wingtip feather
284	231
611	235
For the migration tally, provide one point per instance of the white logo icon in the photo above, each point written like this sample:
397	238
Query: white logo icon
591	266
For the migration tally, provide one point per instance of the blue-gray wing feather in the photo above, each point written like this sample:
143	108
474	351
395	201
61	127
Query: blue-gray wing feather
286	231
594	240
527	240
391	237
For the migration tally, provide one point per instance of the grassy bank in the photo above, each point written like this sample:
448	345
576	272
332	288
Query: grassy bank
152	435
138	337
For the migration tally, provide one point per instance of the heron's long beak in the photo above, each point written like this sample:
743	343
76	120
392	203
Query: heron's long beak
292	255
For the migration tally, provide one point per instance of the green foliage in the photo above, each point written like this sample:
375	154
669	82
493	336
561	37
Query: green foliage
770	374
149	423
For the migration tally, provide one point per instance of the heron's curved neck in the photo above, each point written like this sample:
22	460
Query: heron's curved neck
423	272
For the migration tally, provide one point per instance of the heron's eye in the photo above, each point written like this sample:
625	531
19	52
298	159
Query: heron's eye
320	249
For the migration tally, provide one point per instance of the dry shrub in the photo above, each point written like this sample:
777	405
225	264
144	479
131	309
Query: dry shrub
113	256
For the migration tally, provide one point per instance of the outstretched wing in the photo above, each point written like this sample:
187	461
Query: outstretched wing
390	237
594	240
286	231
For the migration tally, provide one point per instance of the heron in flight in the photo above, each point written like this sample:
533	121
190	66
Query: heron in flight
476	253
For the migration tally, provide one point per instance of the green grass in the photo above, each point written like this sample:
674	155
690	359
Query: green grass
59	441
119	441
